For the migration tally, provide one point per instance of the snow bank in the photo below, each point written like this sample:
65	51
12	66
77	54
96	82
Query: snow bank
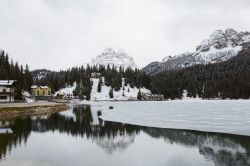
27	97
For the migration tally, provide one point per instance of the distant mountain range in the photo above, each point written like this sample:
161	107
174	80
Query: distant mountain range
114	58
221	46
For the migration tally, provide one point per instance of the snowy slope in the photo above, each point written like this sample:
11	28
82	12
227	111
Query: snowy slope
118	95
67	91
111	57
129	93
27	97
220	47
40	74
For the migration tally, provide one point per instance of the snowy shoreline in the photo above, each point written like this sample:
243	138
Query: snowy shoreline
190	99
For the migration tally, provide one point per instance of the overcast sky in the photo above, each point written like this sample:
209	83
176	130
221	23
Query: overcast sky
58	34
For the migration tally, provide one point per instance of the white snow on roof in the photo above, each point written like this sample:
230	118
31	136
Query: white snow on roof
7	82
42	87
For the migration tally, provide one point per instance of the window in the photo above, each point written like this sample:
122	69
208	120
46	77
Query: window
3	97
4	90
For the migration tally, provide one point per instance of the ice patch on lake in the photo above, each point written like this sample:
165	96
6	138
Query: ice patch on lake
223	116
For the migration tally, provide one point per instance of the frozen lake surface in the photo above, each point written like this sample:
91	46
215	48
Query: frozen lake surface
222	116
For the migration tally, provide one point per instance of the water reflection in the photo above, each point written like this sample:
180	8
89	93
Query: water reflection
81	121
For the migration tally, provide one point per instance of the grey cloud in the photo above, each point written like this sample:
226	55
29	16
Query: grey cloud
59	34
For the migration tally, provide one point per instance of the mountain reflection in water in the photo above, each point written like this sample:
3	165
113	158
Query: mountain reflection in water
81	121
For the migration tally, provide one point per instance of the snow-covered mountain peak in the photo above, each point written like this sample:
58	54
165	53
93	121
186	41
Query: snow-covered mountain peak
230	32
111	57
219	47
108	51
166	58
221	39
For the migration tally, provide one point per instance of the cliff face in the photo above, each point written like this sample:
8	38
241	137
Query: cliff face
114	58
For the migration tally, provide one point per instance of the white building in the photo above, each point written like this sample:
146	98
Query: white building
7	91
152	97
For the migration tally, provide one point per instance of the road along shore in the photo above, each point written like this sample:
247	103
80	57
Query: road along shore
14	110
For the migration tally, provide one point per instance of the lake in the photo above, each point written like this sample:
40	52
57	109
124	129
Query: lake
79	137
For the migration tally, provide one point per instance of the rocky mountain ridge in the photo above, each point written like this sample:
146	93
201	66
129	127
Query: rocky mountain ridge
221	46
114	58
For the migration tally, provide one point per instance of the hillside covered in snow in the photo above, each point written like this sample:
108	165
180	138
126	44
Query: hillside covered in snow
67	91
126	92
221	46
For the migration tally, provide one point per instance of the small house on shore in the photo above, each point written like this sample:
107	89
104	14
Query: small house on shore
41	92
7	91
152	97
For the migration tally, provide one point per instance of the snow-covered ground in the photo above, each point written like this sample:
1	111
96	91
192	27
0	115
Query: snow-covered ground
224	116
67	91
129	93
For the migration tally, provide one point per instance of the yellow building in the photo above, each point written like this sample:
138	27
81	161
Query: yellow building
40	90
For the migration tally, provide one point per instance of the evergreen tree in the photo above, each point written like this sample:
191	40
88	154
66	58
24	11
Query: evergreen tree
13	71
99	87
111	93
229	79
139	97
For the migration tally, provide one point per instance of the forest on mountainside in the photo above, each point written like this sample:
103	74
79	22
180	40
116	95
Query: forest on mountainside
10	70
81	75
229	79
